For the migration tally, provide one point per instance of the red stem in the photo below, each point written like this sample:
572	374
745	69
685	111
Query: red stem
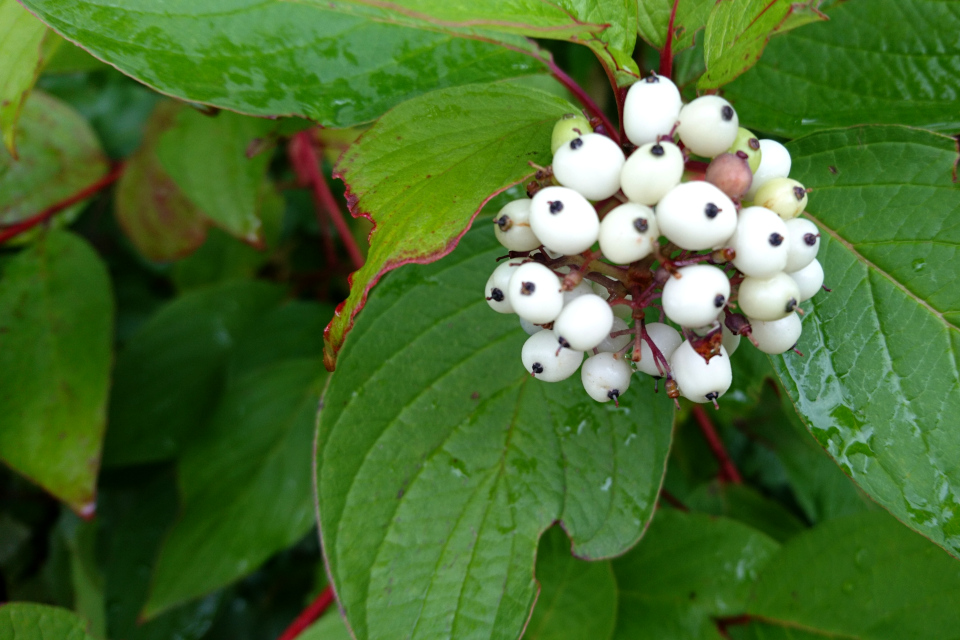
666	55
309	615
300	158
672	500
12	231
728	471
584	99
323	197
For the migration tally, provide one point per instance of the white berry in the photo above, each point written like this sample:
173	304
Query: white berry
785	196
513	226
651	109
667	339
774	163
584	323
730	340
694	299
534	293
590	165
605	376
708	126
611	344
529	327
628	233
809	280
498	285
803	243
563	220
760	242
696	216
651	171
541	358
776	336
768	298
700	380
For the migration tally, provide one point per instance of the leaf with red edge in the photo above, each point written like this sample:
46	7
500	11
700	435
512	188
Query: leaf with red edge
426	168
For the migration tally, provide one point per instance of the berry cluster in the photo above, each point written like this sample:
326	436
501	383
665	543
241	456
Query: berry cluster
715	248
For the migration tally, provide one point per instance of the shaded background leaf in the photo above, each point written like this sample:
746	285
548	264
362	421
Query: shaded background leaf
28	621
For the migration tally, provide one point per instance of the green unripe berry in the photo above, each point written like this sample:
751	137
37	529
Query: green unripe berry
749	144
570	126
785	196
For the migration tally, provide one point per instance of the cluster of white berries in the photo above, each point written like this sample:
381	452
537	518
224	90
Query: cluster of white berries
715	248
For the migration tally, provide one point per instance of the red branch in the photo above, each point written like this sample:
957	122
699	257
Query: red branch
307	165
672	500
732	621
309	615
728	472
584	99
12	231
666	55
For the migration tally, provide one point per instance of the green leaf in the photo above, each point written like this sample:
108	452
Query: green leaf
206	157
425	170
25	46
28	621
154	213
577	599
280	58
250	467
862	577
329	627
744	503
59	156
654	21
56	328
758	630
615	44
879	385
85	575
689	568
169	376
441	461
737	33
137	508
850	71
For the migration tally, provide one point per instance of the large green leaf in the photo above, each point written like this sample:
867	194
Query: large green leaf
153	211
56	328
441	461
738	31
879	385
169	376
28	621
689	568
206	157
59	156
279	58
577	599
244	482
423	172
24	48
654	21
857	68
863	577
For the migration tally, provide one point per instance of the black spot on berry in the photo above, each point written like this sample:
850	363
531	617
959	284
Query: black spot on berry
719	301
563	342
742	155
711	210
537	367
810	239
652	79
727	113
791	305
641	225
713	395
613	394
503	222
555	206
799	193
775	239
527	288
754	144
496	294
657	150
576	143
